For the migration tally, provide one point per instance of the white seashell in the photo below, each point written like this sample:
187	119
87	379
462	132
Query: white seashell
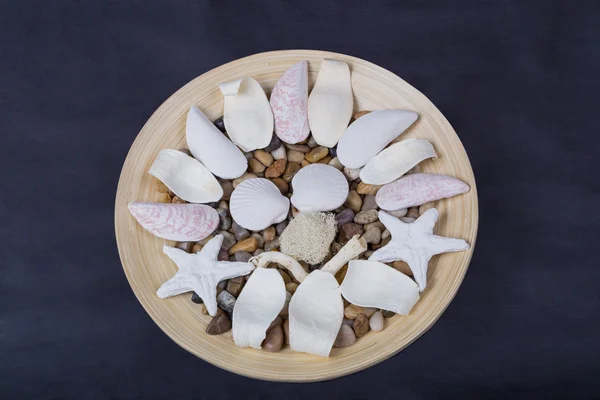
257	203
396	161
330	103
248	117
369	134
319	187
212	148
186	177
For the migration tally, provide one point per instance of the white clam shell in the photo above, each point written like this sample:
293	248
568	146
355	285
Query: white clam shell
186	177
319	187
212	148
248	117
369	134
396	160
257	203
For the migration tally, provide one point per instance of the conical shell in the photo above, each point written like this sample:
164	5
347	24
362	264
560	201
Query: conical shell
257	203
319	187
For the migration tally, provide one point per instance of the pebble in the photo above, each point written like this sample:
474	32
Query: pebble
276	169
280	227
369	203
228	239
376	224
240	232
272	244
242	178
274	340
197	248
286	278
360	114
386	234
223	256
291	287
367	254
302	148
352	311
373	235
282	185
256	166
205	240
223	205
290	171
312	143
349	230
224	219
203	309
295	156
197	299
219	324
345	337
263	157
274	145
257	252
279	154
220	124
317	154
250	244
376	322
285	309
275	322
351	173
365	188
227	187
269	234
286	331
381	244
344	217
353	202
335	162
402	267
226	301
324	160
162	197
304	163
366	217
333	151
398	213
260	242
341	274
408	220
426	206
235	285
222	284
242	256
177	200
347	321
185	246
248	155
413	212
336	247
387	314
361	325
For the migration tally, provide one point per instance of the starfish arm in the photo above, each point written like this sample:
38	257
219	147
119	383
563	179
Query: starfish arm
206	288
387	253
228	269
212	248
174	286
393	224
444	245
427	221
178	256
419	263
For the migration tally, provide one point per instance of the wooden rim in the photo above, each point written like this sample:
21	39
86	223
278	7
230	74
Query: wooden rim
147	268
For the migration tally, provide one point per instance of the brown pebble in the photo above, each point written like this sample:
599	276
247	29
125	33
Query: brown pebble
227	187
219	324
162	197
290	171
352	311
361	325
317	154
161	187
402	267
282	185
285	276
248	245
304	163
276	169
302	148
364	188
269	233
275	322
256	166
235	285
242	178
274	340
341	274
388	314
360	114
196	248
413	212
295	156
349	230
345	337
324	160
177	200
263	157
372	236
291	287
286	331
381	244
286	306
353	201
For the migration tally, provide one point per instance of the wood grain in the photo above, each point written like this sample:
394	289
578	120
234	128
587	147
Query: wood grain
146	267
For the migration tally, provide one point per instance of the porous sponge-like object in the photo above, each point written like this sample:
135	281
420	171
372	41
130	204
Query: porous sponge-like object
308	237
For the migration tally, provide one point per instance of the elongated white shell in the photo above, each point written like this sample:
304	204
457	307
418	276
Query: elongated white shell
257	203
374	284
396	160
248	117
257	306
211	147
330	103
316	313
186	177
319	187
289	101
180	222
369	134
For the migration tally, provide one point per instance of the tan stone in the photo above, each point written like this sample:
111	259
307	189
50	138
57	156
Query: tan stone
361	325
290	171
282	185
364	188
402	267
269	233
276	169
264	157
295	156
162	197
256	166
250	244
242	178
353	202
317	154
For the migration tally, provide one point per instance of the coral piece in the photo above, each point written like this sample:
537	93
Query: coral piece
264	259
308	236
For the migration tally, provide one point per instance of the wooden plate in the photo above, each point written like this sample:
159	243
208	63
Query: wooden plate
146	267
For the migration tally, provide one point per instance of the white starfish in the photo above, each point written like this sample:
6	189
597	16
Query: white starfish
201	272
415	243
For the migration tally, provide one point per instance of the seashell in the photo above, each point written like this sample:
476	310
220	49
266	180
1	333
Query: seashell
369	134
248	116
257	203
186	177
179	222
319	187
330	103
289	102
416	189
212	148
396	161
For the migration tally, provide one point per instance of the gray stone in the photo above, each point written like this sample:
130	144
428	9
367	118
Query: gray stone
274	145
257	252
345	337
226	301
260	241
223	256
224	219
280	227
369	203
242	256
271	244
344	217
228	240
373	235
239	232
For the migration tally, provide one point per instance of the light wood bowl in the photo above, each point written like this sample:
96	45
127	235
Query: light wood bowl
146	267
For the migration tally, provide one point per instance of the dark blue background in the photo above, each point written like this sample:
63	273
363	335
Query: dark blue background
518	80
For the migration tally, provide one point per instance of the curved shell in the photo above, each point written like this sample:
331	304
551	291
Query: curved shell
180	222
186	177
396	160
330	103
257	203
369	134
289	101
319	187
248	117
211	147
416	189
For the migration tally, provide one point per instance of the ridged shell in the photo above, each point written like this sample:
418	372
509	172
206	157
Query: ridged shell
180	222
319	187
416	189
257	203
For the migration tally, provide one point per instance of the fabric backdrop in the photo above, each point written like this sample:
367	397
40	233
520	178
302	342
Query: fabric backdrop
518	80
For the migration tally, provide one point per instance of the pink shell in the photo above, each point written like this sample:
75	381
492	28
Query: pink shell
416	189
289	101
180	222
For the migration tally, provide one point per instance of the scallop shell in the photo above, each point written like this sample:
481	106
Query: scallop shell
186	177
257	203
180	222
416	189
369	134
319	187
212	148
